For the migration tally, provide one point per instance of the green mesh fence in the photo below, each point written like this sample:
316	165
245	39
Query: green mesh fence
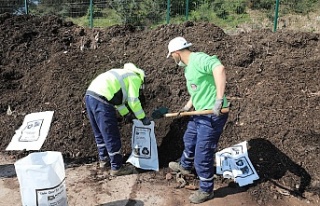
246	14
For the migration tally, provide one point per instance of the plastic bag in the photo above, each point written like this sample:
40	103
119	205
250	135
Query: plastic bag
41	176
144	153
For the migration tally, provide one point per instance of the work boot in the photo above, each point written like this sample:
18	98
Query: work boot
200	196
103	164
124	170
176	167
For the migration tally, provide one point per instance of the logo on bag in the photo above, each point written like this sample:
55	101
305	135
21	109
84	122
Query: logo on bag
193	87
145	151
136	151
31	132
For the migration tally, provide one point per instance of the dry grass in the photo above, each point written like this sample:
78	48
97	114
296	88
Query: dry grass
260	20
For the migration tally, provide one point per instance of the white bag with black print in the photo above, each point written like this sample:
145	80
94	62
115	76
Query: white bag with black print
41	176
144	153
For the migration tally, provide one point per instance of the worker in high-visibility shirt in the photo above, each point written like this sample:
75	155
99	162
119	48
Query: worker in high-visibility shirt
108	92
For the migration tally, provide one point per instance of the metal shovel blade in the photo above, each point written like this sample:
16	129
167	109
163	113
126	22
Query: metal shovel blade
159	113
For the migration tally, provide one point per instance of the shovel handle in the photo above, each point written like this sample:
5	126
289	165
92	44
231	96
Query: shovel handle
223	110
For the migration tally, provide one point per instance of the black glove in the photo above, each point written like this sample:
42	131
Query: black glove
128	118
146	121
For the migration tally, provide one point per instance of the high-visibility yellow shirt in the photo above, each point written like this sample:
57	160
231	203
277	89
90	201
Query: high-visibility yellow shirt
110	82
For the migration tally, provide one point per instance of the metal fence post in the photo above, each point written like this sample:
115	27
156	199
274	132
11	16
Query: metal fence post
26	6
276	16
168	11
187	10
91	14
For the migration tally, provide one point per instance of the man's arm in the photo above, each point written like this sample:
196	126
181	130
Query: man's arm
219	75
188	105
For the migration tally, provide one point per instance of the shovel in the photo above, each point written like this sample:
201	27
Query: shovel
163	112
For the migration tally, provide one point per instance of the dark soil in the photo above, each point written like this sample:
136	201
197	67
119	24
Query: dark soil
272	82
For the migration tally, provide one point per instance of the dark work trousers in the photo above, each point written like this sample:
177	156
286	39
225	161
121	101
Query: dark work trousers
200	144
103	119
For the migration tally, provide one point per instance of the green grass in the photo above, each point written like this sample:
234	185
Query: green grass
108	18
231	21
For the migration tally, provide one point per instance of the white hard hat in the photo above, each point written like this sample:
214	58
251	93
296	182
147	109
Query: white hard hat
133	68
176	44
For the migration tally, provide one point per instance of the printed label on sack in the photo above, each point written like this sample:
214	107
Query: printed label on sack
142	142
55	196
31	132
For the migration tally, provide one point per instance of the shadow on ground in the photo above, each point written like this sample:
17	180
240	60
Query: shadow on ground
271	165
7	170
129	202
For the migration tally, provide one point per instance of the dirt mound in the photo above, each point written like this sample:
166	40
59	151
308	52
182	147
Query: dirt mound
273	84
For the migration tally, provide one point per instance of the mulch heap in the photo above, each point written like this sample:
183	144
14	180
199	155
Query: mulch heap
47	63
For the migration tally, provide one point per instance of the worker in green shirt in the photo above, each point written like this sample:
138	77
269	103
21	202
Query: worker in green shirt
108	92
206	80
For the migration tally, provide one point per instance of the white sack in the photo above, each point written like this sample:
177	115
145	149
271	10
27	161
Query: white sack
234	163
32	133
144	153
41	176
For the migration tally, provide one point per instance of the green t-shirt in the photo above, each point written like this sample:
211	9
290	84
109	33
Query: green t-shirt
200	81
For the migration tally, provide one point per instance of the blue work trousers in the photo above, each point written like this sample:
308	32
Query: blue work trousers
200	144
103	119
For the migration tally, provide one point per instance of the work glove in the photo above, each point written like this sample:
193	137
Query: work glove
217	107
128	118
184	109
146	121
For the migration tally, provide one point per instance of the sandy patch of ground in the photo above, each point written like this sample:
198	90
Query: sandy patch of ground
87	186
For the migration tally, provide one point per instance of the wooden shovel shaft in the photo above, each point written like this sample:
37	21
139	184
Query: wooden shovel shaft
223	110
